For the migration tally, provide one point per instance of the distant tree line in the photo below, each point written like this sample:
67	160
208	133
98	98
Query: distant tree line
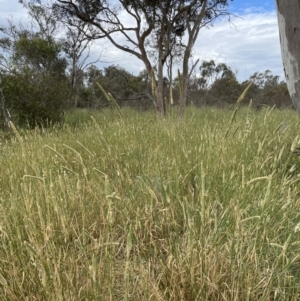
217	85
211	85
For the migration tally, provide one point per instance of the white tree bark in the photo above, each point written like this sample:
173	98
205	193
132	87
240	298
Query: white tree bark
288	13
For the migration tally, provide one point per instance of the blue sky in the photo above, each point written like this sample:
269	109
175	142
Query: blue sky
248	6
248	44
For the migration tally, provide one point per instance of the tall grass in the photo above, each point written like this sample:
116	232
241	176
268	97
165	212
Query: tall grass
141	208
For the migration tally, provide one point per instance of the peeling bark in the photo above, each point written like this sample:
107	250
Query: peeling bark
288	13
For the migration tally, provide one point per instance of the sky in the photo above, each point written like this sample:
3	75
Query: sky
249	43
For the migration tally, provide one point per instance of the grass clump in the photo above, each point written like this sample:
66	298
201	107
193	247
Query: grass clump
141	208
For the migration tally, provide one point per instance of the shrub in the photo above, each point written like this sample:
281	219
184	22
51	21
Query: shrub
35	99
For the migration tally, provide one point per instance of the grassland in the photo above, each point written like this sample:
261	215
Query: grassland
141	208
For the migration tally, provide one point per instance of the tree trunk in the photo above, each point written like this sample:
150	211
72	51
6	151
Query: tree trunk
160	90
5	115
170	75
73	94
160	98
193	32
184	81
288	13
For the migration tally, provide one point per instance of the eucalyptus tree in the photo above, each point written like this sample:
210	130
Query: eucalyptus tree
153	24
289	31
210	72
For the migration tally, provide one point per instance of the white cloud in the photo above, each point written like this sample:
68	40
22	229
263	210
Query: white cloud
251	45
12	9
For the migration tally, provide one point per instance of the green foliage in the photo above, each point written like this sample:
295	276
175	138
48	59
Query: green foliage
147	209
264	79
226	90
116	80
35	87
268	90
35	99
38	53
119	81
210	73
